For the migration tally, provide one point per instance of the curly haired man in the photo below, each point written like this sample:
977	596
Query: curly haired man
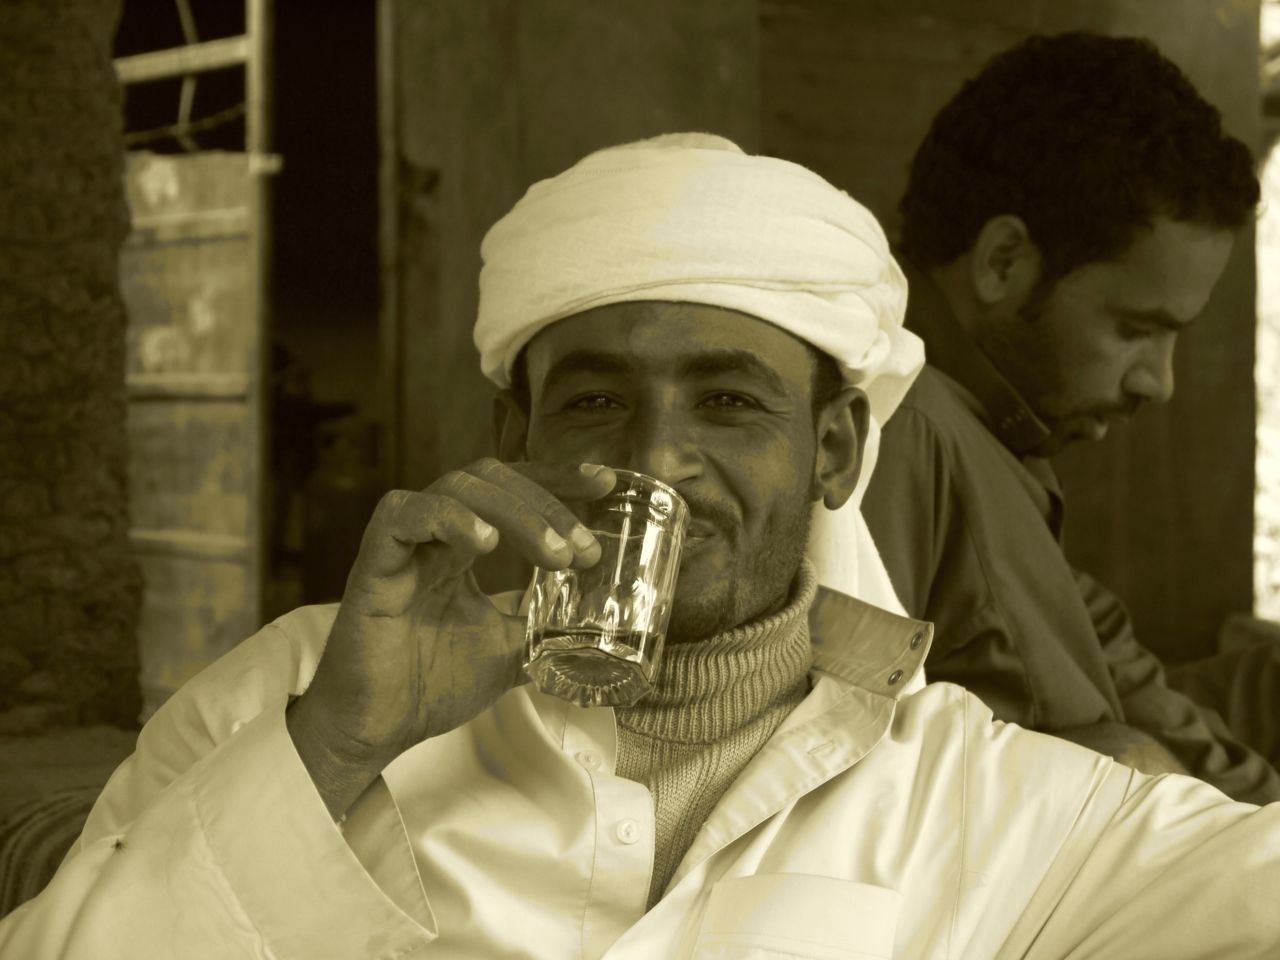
1067	215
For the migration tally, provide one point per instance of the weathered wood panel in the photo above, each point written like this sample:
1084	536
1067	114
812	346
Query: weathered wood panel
189	304
189	466
164	185
193	611
188	277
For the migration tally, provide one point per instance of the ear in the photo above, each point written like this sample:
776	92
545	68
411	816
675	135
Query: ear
842	435
510	427
1004	263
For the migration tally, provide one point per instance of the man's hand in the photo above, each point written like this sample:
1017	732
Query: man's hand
417	649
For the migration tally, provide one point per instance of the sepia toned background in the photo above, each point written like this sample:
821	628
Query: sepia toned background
238	256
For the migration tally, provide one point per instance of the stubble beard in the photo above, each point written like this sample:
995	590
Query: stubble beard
758	585
1023	361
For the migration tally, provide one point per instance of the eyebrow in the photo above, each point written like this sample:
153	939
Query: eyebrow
587	361
1159	317
716	362
708	363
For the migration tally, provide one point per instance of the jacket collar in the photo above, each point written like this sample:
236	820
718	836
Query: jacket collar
868	646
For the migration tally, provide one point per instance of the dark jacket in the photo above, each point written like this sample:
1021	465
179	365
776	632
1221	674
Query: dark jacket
970	526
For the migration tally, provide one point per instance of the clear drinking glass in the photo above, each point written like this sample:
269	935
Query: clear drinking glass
595	636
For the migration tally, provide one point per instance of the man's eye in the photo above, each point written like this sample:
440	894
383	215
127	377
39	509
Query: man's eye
1135	331
727	401
593	401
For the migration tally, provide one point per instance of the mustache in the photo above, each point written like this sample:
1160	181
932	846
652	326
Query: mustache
711	512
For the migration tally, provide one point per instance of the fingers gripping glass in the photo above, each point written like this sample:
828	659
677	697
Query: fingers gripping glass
595	636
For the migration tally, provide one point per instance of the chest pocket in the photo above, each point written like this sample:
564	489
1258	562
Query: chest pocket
780	916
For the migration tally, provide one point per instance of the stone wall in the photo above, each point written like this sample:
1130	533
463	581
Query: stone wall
69	587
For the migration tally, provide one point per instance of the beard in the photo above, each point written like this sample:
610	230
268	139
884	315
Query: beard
757	582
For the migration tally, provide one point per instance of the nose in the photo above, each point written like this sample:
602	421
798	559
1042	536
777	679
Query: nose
1151	378
663	444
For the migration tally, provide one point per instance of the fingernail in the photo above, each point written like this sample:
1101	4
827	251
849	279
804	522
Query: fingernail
582	538
591	469
557	543
484	530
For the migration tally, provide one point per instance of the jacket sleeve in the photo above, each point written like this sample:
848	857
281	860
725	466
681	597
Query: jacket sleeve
1069	855
211	841
1195	735
1173	869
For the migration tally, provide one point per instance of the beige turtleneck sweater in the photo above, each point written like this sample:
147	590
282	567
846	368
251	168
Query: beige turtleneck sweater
714	704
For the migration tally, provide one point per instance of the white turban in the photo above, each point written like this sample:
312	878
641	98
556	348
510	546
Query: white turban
691	218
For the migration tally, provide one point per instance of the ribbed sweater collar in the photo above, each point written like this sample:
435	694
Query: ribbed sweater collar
709	689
